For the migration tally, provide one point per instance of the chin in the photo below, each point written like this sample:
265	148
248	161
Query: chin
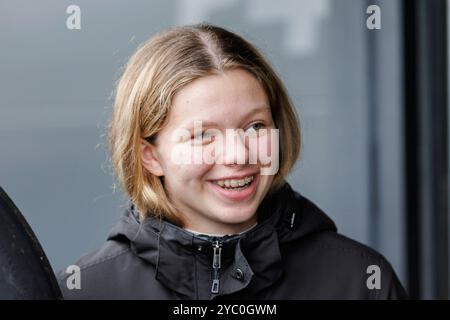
237	215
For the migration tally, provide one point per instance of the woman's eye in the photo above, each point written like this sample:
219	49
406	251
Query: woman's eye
203	137
257	126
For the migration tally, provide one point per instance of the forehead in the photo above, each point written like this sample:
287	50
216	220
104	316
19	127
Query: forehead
221	98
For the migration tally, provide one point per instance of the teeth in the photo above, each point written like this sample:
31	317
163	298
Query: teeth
235	183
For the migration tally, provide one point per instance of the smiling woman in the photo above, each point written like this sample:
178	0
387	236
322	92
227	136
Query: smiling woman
227	227
222	99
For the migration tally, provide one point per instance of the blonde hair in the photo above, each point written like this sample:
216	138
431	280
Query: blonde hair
158	69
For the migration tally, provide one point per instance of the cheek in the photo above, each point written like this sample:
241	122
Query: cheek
263	149
183	166
189	175
179	154
186	154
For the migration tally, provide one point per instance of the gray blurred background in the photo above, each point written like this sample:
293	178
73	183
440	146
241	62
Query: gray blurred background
56	85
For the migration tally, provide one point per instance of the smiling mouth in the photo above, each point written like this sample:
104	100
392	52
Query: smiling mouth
235	184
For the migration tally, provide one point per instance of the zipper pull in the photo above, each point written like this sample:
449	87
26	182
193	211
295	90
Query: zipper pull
217	246
217	253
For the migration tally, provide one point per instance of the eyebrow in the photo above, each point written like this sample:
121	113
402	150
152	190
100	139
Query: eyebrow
263	109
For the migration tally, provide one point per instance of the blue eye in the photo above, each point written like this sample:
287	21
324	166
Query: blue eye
257	126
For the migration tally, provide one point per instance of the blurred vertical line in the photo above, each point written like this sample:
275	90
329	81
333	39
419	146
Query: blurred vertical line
425	81
411	152
385	139
448	148
440	149
373	134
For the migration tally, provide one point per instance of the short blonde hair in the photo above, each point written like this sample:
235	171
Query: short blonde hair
158	69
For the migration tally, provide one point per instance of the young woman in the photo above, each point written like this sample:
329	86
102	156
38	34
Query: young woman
202	137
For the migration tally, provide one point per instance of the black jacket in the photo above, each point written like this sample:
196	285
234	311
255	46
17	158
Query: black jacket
294	252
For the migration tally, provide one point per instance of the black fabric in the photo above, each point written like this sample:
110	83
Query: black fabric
25	272
294	252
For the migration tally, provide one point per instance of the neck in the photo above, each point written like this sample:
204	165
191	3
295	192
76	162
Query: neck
220	234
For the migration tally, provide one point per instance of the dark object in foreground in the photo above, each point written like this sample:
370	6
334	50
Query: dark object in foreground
25	272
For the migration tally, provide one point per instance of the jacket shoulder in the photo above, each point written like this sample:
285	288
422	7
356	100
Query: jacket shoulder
109	250
334	241
340	262
92	268
113	272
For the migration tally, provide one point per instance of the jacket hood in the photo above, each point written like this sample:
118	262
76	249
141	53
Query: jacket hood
186	262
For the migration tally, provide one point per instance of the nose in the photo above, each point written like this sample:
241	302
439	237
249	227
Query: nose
235	151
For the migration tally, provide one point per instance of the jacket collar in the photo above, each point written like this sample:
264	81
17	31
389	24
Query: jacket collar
250	261
184	258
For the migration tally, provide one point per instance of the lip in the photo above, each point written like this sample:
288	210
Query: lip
233	195
242	176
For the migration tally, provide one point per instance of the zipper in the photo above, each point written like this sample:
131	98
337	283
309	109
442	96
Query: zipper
217	247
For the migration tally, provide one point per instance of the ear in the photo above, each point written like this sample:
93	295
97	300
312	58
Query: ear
150	159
